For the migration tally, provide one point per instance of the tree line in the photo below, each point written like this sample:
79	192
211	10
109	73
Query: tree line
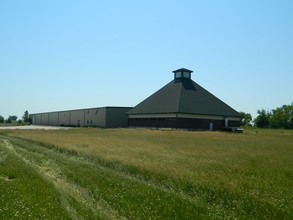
13	118
281	117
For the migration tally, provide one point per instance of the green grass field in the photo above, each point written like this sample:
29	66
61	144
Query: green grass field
146	174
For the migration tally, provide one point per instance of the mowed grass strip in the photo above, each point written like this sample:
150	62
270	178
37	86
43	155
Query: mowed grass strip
207	174
88	190
24	193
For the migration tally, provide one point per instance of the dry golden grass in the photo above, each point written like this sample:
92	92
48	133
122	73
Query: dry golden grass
178	153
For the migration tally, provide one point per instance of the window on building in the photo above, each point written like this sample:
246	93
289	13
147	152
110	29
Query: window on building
177	75
186	74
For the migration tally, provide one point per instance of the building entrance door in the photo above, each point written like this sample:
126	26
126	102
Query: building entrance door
211	126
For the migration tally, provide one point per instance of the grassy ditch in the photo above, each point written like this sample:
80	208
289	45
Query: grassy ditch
147	174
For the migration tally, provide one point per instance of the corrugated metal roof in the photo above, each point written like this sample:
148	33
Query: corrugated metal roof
184	96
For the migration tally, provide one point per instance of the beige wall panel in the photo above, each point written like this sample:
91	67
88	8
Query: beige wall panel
33	119
37	119
64	118
54	118
95	117
44	118
100	120
77	118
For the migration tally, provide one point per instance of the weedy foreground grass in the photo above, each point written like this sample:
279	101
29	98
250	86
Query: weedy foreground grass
146	174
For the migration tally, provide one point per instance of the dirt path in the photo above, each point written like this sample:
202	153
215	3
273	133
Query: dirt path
34	127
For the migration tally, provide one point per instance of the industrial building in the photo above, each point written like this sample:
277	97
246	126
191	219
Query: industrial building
105	117
181	103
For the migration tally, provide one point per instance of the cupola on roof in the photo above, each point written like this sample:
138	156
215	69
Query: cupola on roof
182	73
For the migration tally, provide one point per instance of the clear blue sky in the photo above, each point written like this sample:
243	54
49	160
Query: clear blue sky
58	55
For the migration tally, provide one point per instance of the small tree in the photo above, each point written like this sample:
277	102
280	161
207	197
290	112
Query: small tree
245	119
12	117
282	117
25	117
8	120
263	119
1	119
290	121
279	118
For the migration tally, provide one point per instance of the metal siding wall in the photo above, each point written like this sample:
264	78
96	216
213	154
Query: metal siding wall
202	124
77	118
64	118
53	119
95	117
101	117
153	122
234	123
187	123
36	119
39	118
44	118
32	118
116	117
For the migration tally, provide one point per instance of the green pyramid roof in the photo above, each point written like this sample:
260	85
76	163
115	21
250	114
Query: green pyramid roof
183	95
